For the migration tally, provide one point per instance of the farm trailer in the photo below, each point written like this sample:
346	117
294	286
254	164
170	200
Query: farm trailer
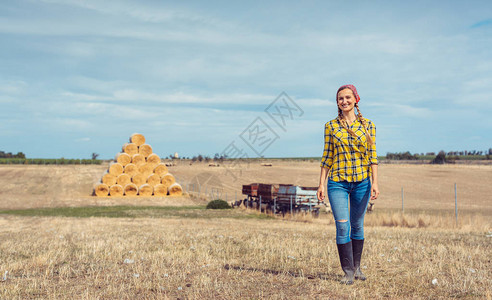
281	198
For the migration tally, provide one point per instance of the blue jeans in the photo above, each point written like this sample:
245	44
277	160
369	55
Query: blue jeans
350	224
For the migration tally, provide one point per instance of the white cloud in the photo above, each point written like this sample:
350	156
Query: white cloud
315	102
66	124
12	87
138	96
84	139
403	110
138	11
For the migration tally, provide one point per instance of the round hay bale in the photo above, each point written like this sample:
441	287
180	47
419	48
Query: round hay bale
138	159
153	159
145	190
130	149
130	189
145	150
108	179
123	179
160	170
160	190
130	169
123	158
153	179
116	190
139	179
175	190
115	169
137	138
146	169
168	179
101	190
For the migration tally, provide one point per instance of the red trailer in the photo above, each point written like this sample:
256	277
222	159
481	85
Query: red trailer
282	198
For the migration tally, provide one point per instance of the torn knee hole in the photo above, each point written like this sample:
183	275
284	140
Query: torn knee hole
342	221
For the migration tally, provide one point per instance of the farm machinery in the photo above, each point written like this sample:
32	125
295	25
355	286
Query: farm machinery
281	198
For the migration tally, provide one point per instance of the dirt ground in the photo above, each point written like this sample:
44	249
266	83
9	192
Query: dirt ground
425	187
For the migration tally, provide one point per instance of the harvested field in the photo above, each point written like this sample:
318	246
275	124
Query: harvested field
426	187
26	186
74	245
230	258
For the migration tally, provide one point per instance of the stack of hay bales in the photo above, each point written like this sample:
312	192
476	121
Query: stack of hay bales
137	171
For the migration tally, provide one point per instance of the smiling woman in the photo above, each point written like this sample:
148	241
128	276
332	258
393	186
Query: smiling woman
349	158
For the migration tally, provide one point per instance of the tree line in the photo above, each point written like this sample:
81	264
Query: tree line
441	157
217	158
10	155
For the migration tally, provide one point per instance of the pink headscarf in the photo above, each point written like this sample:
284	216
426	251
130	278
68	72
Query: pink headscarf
352	88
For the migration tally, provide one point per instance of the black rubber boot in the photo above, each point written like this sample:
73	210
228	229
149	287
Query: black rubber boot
357	246
347	261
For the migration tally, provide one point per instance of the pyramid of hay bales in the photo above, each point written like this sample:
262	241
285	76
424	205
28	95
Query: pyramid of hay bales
137	171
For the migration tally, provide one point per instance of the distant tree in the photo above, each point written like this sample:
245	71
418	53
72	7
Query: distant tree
218	157
490	151
200	157
440	158
402	156
10	155
94	155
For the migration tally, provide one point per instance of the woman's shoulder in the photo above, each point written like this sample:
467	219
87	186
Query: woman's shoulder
332	123
368	121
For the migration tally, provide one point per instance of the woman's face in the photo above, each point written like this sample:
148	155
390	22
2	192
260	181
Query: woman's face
346	100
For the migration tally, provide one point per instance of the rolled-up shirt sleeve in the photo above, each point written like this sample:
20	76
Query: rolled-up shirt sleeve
373	157
327	159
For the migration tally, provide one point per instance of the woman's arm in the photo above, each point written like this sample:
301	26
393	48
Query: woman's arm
326	162
374	163
375	187
321	188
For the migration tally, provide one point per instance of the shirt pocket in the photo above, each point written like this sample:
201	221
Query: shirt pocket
361	141
339	137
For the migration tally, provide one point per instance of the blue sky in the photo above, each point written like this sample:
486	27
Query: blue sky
78	77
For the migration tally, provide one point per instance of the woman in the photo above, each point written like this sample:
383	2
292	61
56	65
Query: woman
349	160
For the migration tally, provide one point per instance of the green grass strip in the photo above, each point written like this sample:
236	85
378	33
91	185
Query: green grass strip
98	211
194	212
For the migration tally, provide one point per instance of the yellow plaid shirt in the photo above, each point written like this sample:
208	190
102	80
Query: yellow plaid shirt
348	158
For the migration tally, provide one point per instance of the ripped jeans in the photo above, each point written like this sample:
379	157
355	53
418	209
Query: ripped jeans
350	224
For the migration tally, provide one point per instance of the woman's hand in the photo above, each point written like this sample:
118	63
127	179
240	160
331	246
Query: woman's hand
374	191
321	193
322	181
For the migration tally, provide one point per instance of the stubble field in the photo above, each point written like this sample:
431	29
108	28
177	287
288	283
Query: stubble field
173	248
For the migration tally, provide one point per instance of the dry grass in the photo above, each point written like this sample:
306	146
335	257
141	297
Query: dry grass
140	252
426	187
411	219
429	219
198	258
